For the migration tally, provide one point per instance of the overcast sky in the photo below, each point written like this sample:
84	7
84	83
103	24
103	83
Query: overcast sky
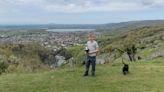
79	11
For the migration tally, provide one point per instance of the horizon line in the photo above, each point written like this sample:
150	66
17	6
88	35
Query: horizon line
28	24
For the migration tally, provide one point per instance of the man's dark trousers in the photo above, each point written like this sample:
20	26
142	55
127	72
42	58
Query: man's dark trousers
90	60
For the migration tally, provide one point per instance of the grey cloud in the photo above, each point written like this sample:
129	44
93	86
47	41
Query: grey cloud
83	5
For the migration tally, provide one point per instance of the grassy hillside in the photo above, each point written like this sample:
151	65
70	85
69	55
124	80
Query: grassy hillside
144	76
148	40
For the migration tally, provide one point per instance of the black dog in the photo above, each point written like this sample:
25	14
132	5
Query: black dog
125	69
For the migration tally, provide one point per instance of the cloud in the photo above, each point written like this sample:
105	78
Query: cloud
75	6
102	5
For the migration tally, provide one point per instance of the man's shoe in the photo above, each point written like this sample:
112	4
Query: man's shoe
93	74
85	74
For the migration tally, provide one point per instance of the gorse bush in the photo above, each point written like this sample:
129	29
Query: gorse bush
3	64
27	57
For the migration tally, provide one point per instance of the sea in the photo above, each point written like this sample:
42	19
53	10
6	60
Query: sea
69	30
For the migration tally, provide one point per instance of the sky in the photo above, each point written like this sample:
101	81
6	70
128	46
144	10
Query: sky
79	11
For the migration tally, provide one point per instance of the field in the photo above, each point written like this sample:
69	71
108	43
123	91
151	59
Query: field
144	76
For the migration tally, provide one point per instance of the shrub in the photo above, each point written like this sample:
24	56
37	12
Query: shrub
3	64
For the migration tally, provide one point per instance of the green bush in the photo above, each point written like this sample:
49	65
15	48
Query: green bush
26	57
3	64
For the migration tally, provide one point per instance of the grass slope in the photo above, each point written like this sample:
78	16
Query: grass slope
144	77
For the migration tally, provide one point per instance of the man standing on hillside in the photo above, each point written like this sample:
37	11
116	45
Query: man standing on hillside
91	50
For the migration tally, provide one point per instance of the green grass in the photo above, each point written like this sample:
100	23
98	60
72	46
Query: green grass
144	76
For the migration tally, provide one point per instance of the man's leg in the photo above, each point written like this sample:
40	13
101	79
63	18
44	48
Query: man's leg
93	65
87	67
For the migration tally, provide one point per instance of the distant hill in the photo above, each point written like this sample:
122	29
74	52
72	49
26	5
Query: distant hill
122	26
126	26
49	26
